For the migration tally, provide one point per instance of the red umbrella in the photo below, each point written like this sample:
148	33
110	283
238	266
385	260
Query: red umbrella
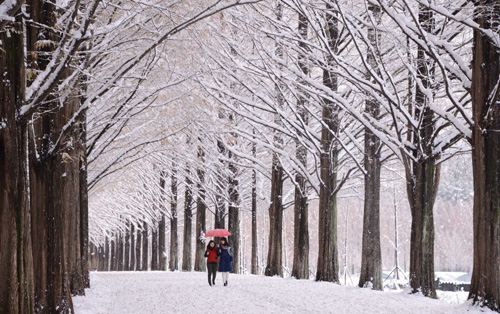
218	233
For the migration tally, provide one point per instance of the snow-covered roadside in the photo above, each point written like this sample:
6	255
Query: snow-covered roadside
180	292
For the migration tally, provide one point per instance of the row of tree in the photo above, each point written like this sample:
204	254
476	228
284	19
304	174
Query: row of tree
130	251
58	60
316	93
309	93
372	80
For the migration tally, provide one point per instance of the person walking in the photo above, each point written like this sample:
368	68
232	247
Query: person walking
225	253
211	255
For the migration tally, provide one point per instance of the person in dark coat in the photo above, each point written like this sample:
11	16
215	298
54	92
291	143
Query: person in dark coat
211	255
225	253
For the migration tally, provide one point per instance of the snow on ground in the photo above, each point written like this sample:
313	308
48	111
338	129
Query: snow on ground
189	292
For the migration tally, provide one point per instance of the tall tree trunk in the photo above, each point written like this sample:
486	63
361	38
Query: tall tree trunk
234	214
275	251
199	262
54	183
162	257
93	257
126	258
174	241
154	248
117	250
300	268
39	190
145	246
84	202
16	263
113	255
220	211
162	249
120	252
102	256
422	175
68	165
63	185
255	244
274	256
106	254
371	256
58	268
138	250
328	265
40	230
188	224
132	248
422	190
233	221
61	269
485	283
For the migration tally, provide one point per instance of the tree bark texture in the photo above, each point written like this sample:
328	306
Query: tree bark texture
275	252
485	284
328	265
234	214
154	248
199	262
16	263
145	246
371	256
126	257
138	264
133	250
255	243
188	223
422	176
174	240
300	269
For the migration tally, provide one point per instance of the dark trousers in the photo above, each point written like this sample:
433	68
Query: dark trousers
212	272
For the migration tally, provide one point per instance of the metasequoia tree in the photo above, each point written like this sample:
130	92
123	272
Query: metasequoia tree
274	255
270	111
188	223
50	96
199	262
16	264
419	145
485	284
371	258
431	129
174	242
301	229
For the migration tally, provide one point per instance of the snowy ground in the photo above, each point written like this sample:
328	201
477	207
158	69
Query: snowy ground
179	292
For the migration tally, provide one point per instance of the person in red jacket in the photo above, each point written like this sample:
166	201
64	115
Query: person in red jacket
211	255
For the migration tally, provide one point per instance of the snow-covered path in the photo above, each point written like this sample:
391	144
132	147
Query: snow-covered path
189	292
